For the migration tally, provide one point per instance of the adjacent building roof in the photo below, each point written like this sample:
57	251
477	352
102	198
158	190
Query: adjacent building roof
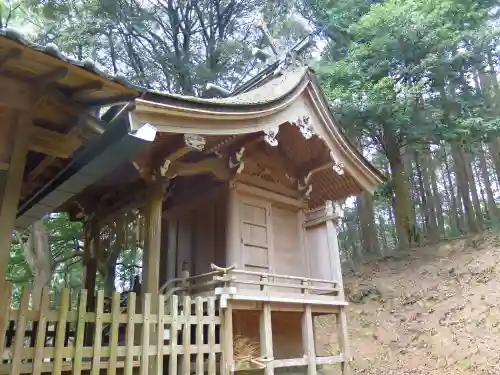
69	135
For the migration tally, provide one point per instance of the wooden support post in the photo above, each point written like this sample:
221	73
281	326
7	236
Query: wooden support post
227	358
151	271
308	340
266	338
11	190
164	271
232	228
333	247
344	341
151	262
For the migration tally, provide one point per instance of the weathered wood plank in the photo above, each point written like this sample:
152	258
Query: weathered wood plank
61	331
145	334
227	360
130	334
20	328
113	339
266	337
98	333
211	336
160	329
12	188
80	331
5	295
174	328
186	336
344	342
41	329
199	335
308	340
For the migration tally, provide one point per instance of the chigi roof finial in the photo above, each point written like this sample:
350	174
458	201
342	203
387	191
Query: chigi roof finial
275	60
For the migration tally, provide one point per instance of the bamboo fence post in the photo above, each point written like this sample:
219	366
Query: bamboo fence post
20	331
80	331
130	339
113	335
160	330
186	337
96	360
61	331
5	295
145	334
211	336
174	328
41	329
199	335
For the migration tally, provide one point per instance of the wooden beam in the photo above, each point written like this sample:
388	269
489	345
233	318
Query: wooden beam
217	166
83	120
16	94
12	189
52	143
48	78
82	90
11	54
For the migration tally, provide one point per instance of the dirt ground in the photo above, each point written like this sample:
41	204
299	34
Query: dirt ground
435	311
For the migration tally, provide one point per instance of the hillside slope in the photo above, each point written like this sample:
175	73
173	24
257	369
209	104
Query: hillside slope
435	312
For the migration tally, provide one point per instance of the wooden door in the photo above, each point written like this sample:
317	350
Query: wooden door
256	241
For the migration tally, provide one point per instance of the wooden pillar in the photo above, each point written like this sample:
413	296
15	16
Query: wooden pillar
333	246
344	341
266	338
11	191
233	242
308	340
164	261
151	260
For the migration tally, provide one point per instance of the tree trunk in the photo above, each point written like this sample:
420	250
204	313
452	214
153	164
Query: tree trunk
494	147
426	166
367	227
383	234
476	203
414	196
390	210
483	165
463	185
405	227
437	197
426	227
38	257
456	211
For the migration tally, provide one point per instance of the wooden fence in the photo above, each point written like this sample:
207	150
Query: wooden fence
148	337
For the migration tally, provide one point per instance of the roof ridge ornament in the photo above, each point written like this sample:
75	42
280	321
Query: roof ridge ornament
277	62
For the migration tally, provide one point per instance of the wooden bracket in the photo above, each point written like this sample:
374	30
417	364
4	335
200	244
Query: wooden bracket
192	142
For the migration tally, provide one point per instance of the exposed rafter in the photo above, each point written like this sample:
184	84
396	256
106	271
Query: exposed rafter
52	143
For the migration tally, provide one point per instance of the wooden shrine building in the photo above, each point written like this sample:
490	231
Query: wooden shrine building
238	196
